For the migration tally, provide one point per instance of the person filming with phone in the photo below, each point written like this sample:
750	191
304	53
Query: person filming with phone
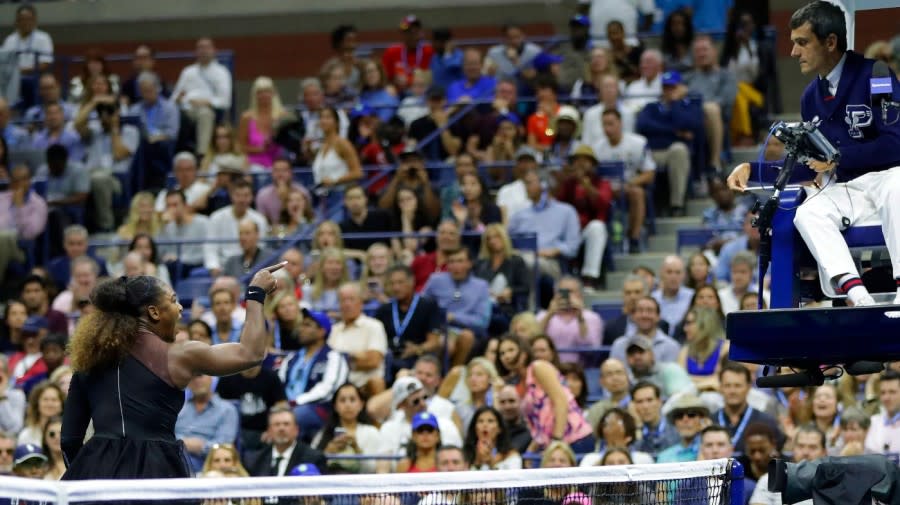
110	147
568	323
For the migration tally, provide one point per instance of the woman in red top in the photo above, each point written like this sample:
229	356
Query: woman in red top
422	449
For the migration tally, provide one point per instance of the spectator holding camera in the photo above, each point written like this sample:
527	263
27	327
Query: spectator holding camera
110	149
567	322
411	174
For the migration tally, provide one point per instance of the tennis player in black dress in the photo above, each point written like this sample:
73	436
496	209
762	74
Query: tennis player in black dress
130	377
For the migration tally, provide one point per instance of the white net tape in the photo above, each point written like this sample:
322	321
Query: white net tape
337	485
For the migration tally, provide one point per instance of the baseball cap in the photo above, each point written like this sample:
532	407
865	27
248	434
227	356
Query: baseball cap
26	452
403	388
361	110
577	499
304	470
543	61
424	419
410	151
409	21
511	117
579	20
568	112
230	164
671	78
35	324
320	318
527	152
643	343
436	91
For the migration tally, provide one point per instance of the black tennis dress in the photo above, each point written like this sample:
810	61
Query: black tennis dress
134	406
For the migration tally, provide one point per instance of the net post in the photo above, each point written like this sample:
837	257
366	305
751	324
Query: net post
735	476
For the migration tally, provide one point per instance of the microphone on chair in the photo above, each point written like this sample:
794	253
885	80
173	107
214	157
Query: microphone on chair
881	88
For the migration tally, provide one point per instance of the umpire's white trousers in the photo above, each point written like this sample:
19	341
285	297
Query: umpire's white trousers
595	237
819	218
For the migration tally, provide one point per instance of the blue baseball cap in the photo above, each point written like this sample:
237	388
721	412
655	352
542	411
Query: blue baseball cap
360	110
26	452
543	61
320	318
304	470
35	324
425	419
579	20
511	117
671	78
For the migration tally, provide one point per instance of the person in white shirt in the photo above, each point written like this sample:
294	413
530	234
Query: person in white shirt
512	197
409	398
35	47
223	224
648	88
601	12
592	122
640	169
239	314
362	339
182	224
884	432
184	168
204	88
742	267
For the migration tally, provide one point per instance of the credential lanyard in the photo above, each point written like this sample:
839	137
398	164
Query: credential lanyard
400	326
660	428
739	432
404	57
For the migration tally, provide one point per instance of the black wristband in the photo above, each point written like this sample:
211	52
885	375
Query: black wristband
256	294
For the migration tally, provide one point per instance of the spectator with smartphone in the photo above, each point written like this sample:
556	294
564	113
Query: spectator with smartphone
568	323
110	147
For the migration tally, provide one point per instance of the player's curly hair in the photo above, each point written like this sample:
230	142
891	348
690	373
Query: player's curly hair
104	336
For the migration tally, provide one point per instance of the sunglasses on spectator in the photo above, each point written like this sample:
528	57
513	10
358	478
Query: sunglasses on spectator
8	452
52	433
425	429
415	402
689	413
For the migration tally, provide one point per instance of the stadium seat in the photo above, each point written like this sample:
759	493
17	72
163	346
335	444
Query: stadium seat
191	289
608	311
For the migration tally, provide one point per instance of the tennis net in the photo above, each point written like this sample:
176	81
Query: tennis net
716	482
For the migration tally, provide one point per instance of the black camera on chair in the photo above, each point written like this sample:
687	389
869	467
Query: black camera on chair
806	142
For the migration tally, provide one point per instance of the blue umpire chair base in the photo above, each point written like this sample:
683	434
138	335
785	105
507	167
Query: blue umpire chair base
815	340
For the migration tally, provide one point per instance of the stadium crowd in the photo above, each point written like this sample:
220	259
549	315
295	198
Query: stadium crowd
412	353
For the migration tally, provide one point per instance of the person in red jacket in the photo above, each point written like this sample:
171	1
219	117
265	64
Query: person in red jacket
400	60
592	197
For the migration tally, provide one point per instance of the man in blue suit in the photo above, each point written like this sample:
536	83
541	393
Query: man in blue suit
866	182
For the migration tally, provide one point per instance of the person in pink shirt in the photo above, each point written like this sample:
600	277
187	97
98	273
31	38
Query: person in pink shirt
548	406
568	323
271	198
24	216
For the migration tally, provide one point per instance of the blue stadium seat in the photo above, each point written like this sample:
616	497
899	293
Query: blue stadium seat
608	311
698	237
192	288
